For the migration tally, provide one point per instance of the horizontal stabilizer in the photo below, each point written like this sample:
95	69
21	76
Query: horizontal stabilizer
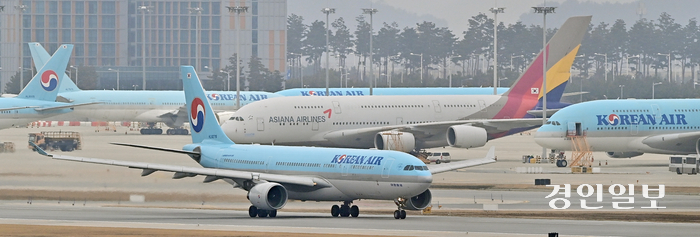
157	148
65	106
20	107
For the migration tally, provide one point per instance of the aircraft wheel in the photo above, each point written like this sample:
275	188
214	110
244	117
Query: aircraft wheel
252	211
344	211
678	171
262	213
403	214
335	211
273	213
397	214
354	211
563	163
437	162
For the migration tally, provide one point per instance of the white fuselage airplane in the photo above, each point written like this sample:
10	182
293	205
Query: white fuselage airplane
626	128
413	122
274	174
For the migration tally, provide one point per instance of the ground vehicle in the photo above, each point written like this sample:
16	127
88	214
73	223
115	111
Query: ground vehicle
54	140
440	157
7	147
683	165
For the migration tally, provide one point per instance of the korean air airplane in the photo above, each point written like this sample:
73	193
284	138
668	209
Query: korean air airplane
274	174
37	99
143	106
392	91
626	128
408	123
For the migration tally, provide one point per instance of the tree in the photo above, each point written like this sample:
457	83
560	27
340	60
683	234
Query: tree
314	44
86	78
341	42
13	86
261	79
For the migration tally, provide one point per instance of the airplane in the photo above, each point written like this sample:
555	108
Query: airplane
415	122
142	105
274	174
37	100
626	128
393	91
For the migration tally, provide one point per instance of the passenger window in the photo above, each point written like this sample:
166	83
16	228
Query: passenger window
436	154
445	153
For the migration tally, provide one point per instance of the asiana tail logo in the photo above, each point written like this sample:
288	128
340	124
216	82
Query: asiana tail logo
641	119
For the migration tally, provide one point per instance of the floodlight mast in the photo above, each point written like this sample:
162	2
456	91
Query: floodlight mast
371	12
327	11
495	11
238	10
544	11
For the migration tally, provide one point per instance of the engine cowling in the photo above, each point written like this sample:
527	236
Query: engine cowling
395	140
465	136
268	196
626	154
420	201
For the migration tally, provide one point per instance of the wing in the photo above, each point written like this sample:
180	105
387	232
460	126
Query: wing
425	130
15	108
490	158
184	171
65	106
680	142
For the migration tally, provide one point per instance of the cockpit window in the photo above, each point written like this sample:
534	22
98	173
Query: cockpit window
416	167
236	118
408	168
421	167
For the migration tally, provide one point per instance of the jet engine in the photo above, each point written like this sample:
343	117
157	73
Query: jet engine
420	201
268	196
626	154
465	136
394	140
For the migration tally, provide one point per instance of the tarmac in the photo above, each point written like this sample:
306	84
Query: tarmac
104	191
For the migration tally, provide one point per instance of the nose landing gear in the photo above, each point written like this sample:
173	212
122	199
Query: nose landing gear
400	213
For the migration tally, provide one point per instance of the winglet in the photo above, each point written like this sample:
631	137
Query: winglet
39	150
492	153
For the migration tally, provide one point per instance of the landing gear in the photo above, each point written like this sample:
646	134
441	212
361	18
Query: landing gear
254	211
151	131
345	210
400	213
177	131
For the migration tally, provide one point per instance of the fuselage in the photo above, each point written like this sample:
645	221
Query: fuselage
147	106
305	120
622	125
353	174
392	91
20	117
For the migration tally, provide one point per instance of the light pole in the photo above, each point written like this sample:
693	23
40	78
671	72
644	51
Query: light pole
228	79
495	11
21	72
449	69
301	69
197	11
511	61
76	74
143	9
668	70
544	11
580	89
117	71
371	12
328	11
238	10
605	65
20	9
652	88
421	66
622	94
628	62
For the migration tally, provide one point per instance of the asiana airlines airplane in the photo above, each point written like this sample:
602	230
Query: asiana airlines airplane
413	122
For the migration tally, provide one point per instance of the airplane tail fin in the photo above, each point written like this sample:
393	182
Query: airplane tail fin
526	93
45	84
40	57
203	123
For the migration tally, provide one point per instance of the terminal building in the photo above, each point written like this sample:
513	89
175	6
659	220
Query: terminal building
124	38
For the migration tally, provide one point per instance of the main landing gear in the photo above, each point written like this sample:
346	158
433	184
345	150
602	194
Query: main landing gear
345	210
254	211
400	213
177	131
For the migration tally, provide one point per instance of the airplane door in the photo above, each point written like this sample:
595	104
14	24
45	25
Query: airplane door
482	106
261	124
399	120
344	169
571	129
336	107
314	126
386	168
436	104
267	163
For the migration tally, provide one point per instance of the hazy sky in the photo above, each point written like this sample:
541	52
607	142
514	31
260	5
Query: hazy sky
454	11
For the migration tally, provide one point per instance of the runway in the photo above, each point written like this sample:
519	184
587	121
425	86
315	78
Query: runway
31	176
414	225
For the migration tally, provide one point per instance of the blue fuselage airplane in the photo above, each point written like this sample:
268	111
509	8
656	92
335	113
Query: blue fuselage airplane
626	128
